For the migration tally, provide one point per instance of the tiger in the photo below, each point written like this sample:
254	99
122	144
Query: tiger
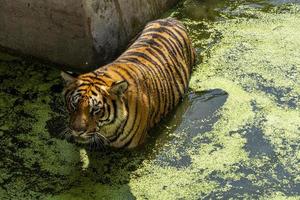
116	105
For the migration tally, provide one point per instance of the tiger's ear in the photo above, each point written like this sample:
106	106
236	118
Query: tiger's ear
68	78
119	87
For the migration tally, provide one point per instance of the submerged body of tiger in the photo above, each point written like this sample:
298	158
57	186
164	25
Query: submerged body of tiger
116	104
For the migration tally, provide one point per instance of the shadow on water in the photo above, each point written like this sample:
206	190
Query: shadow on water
195	115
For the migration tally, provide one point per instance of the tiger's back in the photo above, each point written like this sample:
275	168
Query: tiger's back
157	68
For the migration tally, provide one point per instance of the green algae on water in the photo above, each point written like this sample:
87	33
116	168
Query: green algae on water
256	63
247	148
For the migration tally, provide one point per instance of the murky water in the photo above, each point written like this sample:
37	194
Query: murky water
235	135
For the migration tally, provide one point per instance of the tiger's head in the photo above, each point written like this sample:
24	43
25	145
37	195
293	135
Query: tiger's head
97	111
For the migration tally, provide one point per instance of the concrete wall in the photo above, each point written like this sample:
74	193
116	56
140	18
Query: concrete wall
76	33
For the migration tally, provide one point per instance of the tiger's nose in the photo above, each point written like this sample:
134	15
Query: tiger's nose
79	122
79	127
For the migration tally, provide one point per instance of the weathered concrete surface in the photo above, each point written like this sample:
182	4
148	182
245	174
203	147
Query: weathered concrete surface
77	33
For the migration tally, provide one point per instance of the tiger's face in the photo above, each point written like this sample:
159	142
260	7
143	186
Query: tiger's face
96	111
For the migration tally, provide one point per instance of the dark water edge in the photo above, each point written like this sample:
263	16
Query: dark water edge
225	140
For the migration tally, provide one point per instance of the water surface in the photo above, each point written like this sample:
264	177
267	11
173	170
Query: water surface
235	135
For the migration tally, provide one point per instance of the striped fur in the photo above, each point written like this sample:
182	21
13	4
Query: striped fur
116	104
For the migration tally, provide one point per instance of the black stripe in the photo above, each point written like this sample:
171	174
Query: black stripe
174	23
107	75
81	90
179	63
144	77
163	41
175	27
169	88
84	84
115	111
99	79
120	129
166	30
189	46
132	135
67	92
87	79
156	46
188	50
156	34
178	49
141	70
173	50
97	87
136	105
128	143
102	114
156	88
174	71
94	93
108	110
146	57
169	46
170	93
95	73
73	94
134	71
114	136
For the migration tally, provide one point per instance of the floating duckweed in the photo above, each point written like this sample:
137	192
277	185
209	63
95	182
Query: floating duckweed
246	147
255	62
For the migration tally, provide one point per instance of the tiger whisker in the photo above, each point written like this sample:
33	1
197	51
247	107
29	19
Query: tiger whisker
97	141
65	134
102	138
91	144
101	143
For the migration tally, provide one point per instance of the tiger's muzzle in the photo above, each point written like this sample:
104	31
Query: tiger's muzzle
81	136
